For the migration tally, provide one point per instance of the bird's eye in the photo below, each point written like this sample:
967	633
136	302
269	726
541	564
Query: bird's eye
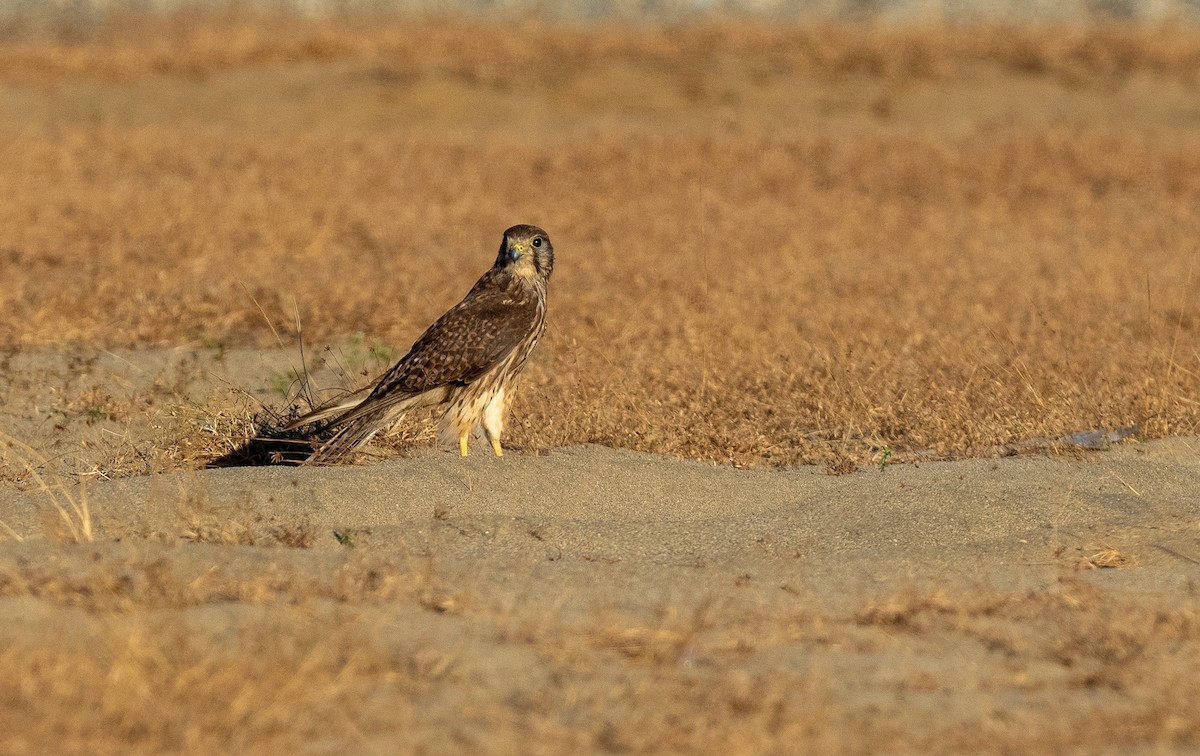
537	242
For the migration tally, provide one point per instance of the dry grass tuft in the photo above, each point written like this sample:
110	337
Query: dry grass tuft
666	641
1107	558
201	522
68	515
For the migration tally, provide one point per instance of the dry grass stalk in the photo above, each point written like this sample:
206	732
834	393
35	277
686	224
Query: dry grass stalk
74	515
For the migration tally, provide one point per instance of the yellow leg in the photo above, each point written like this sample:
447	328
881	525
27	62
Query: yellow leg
462	445
496	447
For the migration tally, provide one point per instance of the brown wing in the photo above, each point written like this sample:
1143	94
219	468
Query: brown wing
473	336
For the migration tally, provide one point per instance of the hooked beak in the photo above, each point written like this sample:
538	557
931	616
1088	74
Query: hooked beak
516	249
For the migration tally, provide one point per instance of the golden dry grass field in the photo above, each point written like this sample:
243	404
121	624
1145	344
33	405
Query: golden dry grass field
775	245
833	245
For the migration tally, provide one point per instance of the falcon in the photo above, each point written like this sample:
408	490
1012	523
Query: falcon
469	360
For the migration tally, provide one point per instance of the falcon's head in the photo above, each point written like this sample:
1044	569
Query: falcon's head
526	251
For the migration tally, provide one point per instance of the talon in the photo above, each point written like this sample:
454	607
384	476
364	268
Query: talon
462	445
496	447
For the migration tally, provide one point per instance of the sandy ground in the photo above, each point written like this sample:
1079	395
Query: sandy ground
585	598
995	519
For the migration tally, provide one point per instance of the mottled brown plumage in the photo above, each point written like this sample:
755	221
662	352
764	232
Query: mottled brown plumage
469	359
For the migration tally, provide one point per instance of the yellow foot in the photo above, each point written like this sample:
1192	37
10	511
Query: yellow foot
496	447
462	446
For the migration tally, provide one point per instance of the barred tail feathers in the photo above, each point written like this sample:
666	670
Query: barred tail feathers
357	426
357	433
324	413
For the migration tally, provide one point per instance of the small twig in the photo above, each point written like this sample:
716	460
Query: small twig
1175	553
1136	492
12	533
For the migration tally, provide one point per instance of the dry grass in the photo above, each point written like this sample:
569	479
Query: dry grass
1107	558
67	514
202	523
753	267
198	44
278	658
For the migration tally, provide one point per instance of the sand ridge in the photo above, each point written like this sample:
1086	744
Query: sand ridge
645	508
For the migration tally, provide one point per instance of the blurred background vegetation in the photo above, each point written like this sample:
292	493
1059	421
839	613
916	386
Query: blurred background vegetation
84	16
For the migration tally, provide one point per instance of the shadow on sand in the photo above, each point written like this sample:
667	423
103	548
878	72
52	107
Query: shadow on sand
273	444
